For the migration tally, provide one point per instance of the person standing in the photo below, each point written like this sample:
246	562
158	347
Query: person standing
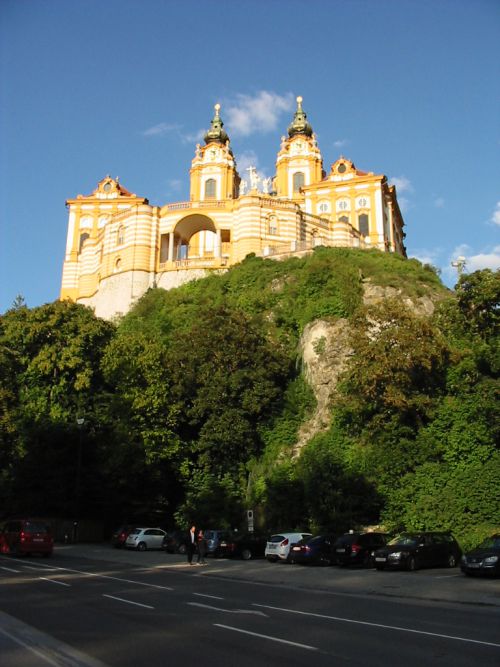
202	547
191	544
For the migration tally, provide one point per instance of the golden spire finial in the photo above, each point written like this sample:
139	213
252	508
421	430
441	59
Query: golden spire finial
217	108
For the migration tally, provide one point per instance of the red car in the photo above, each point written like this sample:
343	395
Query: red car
22	537
120	536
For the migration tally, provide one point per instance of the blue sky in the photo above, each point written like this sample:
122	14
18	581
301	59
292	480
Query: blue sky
407	88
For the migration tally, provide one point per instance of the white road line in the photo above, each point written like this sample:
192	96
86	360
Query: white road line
9	569
137	604
273	639
227	611
213	597
106	576
54	581
377	625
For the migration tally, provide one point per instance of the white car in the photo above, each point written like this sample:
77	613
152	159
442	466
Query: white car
145	538
278	546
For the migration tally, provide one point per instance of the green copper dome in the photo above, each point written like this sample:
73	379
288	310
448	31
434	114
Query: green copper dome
216	132
299	124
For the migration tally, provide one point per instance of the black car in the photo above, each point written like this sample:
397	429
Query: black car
174	542
484	559
317	550
413	550
358	548
247	546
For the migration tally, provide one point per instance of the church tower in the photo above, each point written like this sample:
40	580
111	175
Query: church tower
299	162
213	169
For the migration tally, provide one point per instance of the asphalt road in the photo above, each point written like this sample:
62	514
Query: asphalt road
93	606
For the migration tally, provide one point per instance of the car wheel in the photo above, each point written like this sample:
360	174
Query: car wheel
412	564
141	546
367	560
182	549
452	561
246	554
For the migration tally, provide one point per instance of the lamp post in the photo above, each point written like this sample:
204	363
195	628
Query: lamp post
459	264
80	422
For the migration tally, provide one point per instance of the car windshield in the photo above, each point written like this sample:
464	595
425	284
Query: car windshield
135	531
491	543
314	540
276	538
403	540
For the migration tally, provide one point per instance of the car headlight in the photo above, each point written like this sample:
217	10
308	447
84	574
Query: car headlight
463	559
490	560
396	555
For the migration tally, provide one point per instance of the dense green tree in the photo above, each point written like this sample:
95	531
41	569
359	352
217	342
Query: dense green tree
227	376
478	302
50	358
335	498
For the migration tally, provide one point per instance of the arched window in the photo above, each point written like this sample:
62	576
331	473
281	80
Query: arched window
83	238
298	180
210	188
120	235
324	207
363	225
344	218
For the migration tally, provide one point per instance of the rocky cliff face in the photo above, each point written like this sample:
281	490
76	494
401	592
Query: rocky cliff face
325	350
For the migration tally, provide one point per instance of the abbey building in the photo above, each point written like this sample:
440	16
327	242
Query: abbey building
119	245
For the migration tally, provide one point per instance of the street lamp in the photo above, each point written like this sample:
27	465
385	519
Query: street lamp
459	264
80	422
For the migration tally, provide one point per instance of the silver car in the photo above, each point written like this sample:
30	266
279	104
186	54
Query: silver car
145	538
278	547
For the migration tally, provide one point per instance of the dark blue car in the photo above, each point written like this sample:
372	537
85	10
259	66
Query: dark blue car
317	550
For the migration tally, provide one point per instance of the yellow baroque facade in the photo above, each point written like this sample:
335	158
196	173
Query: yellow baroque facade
119	245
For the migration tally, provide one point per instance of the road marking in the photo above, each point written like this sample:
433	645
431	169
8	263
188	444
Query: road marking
9	569
227	611
103	576
213	597
54	581
137	604
273	639
378	625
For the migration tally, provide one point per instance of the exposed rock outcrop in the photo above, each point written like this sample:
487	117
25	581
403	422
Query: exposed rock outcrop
325	348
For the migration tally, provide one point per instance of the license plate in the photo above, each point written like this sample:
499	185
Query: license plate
295	548
473	564
38	539
379	559
340	551
271	547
